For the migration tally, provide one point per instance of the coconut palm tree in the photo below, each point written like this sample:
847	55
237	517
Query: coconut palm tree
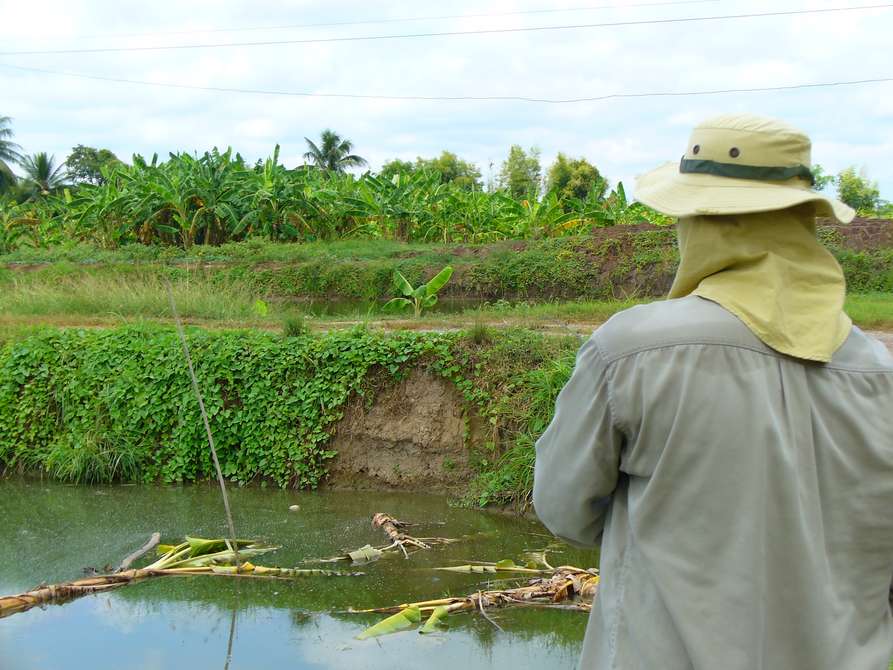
333	153
42	174
9	153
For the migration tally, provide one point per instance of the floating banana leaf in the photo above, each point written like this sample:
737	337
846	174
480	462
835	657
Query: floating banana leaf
365	554
199	546
226	556
268	571
437	615
506	565
402	620
198	552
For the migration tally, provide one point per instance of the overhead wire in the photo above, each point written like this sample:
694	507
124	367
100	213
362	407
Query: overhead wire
405	19
456	98
449	33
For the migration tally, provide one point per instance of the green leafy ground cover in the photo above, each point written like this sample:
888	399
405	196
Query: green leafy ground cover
116	404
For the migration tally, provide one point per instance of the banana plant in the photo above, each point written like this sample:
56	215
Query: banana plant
422	297
190	200
541	218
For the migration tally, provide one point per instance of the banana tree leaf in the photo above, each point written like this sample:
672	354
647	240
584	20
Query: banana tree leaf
437	281
403	284
436	619
365	554
220	557
507	565
200	546
264	570
402	620
397	303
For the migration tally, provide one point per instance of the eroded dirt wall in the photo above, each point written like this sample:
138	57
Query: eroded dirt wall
414	436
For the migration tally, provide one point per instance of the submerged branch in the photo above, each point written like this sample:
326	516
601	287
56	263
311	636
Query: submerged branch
401	540
151	544
193	557
59	594
567	588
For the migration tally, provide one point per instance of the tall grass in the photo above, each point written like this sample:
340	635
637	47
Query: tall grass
522	374
539	388
87	295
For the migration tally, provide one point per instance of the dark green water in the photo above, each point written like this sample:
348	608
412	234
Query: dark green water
51	532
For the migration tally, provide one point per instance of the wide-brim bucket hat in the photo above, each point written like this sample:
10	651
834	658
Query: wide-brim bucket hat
739	164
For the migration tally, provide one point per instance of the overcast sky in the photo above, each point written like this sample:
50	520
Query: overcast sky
849	125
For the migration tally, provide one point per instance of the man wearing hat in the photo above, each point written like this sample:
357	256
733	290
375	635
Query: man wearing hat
731	448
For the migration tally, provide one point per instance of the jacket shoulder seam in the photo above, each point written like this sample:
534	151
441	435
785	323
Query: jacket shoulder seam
618	356
683	343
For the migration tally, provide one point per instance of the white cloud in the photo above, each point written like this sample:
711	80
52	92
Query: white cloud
622	137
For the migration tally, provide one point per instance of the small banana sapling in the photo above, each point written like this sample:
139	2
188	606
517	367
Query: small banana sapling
422	297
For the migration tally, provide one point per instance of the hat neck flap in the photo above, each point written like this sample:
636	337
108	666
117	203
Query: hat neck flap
770	271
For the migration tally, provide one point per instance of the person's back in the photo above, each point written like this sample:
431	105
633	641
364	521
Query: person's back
793	460
732	447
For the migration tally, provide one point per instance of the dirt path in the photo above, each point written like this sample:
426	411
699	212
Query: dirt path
883	336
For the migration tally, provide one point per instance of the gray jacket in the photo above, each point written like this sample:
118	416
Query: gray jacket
746	497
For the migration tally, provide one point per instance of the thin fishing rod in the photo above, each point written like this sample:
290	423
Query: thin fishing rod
201	406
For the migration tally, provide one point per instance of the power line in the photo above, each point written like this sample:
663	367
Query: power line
411	19
457	98
451	33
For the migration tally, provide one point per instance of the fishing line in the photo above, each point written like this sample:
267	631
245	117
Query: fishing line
201	406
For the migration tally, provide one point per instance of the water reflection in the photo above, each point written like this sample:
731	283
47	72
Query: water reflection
53	531
229	643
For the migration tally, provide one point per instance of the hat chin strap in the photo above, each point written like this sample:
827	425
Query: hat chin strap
737	171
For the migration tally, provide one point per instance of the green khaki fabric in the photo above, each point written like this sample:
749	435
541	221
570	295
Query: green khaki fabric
742	498
736	164
771	272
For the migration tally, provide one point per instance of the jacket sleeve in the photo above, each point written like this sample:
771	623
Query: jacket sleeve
578	457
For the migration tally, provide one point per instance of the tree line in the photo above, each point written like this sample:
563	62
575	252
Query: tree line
218	197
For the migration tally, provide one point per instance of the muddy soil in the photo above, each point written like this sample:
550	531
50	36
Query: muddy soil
414	436
863	234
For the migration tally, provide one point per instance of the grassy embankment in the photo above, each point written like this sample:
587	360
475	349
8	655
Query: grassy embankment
116	404
549	282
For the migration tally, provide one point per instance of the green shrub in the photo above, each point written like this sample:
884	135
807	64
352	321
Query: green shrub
100	405
295	326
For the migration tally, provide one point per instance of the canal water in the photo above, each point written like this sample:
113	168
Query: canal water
51	532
